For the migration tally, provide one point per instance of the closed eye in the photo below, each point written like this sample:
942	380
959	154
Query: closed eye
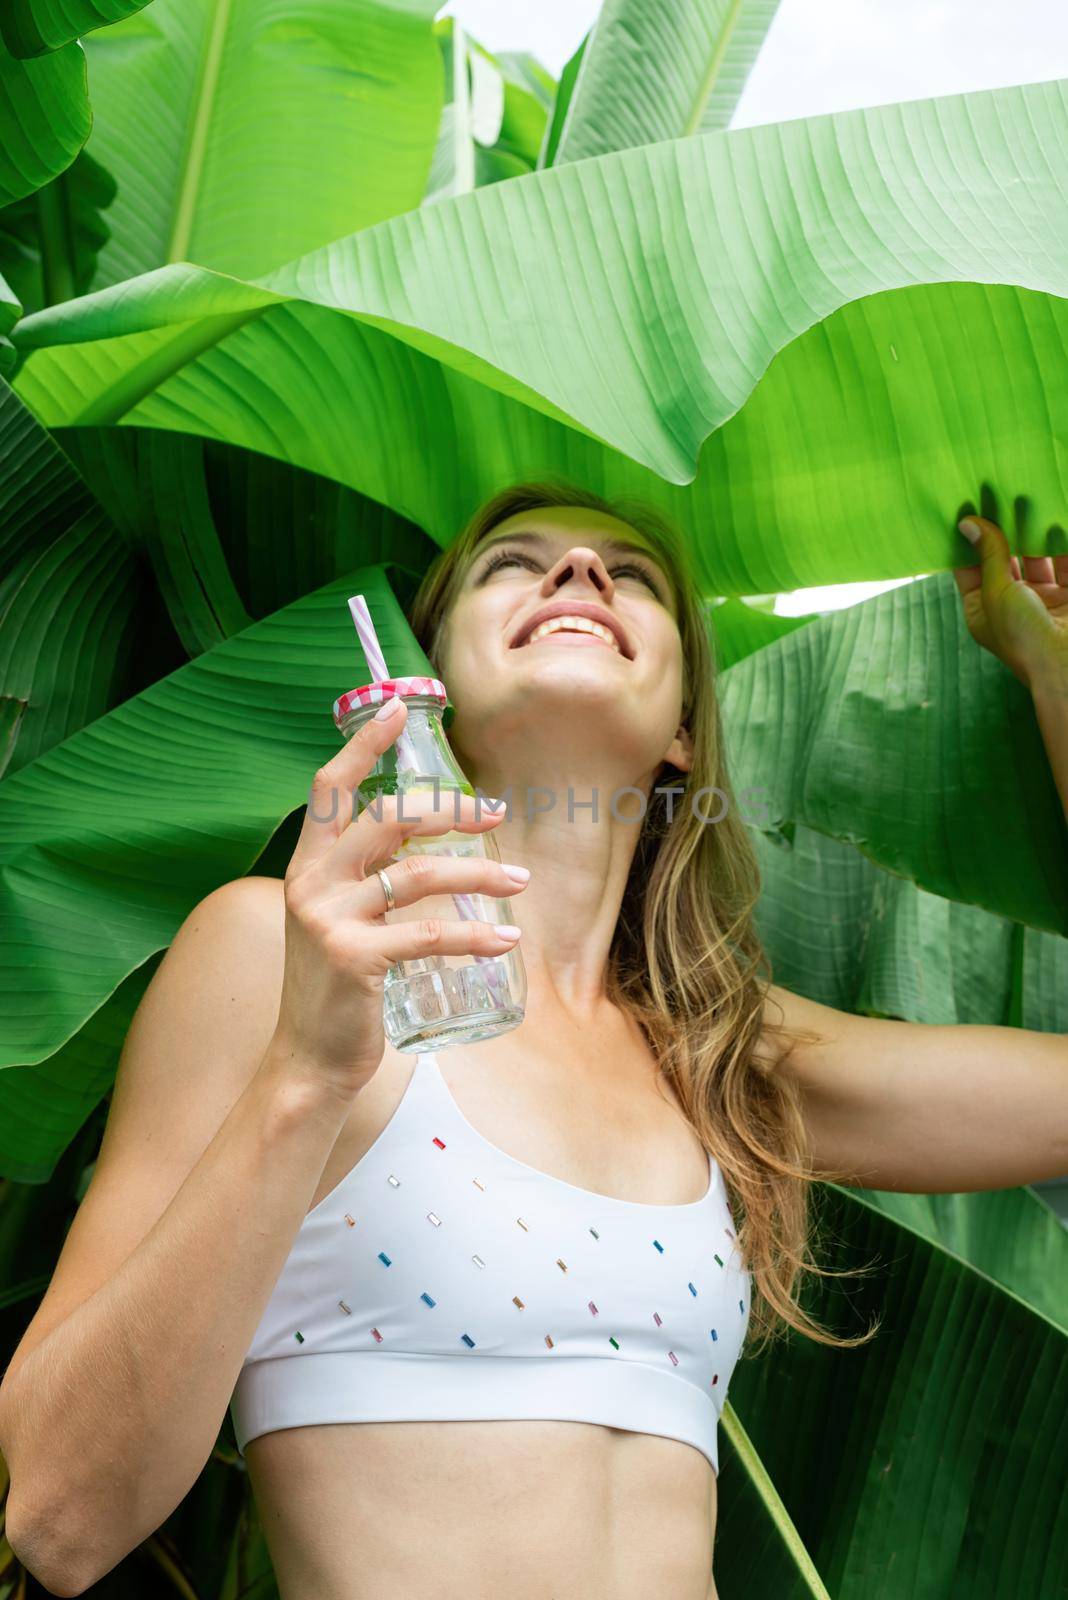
503	558
639	572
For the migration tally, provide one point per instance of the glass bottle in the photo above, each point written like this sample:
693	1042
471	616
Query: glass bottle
440	1000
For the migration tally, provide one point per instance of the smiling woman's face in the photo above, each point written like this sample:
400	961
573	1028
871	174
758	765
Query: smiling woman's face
606	676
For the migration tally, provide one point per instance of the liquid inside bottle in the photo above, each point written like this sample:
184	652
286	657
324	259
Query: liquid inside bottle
432	1002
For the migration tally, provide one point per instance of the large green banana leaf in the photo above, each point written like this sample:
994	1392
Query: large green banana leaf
837	424
554	127
812	345
10	307
311	530
737	628
189	780
491	125
528	99
10	311
79	622
49	240
854	935
70	589
884	724
765	1553
82	627
526	72
282	532
44	118
474	106
183	546
33	27
849	934
275	129
1012	1236
660	71
42	1107
930	1464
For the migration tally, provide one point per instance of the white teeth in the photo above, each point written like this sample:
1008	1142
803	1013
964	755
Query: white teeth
574	625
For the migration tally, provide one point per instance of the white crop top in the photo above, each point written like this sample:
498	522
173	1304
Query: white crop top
443	1280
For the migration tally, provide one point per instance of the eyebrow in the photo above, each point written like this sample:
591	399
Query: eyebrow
619	547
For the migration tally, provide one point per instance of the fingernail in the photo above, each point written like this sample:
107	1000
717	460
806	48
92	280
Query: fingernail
387	709
971	530
507	930
517	874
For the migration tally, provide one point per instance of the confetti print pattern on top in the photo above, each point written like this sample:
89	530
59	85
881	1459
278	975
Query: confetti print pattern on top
440	1245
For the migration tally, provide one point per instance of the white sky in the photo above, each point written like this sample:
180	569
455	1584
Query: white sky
831	55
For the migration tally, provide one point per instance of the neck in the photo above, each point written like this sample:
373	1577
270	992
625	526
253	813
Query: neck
577	831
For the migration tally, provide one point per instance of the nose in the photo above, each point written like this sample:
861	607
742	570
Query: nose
583	563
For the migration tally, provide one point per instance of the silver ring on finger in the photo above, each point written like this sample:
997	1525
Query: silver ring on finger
387	887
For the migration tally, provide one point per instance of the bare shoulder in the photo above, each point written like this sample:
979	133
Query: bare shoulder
222	976
193	1046
254	903
218	983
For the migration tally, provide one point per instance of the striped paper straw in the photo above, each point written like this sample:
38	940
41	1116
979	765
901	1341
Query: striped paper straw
365	628
406	762
360	612
466	907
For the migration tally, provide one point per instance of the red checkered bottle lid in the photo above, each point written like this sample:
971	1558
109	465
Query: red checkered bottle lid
372	694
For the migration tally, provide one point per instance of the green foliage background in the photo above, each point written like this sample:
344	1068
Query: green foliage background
244	381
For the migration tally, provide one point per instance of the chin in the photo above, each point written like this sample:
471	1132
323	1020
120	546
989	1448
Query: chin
571	670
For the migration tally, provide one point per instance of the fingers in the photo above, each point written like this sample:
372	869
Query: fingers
385	825
995	558
330	801
382	947
1039	569
420	876
970	578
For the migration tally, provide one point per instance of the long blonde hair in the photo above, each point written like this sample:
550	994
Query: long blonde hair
685	959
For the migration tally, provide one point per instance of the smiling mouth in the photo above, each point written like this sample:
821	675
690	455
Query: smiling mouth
574	631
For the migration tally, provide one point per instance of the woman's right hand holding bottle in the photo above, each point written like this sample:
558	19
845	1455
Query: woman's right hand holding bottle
338	947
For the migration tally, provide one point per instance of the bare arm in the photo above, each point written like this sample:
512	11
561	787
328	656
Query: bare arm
928	1108
262	1024
934	1108
214	1146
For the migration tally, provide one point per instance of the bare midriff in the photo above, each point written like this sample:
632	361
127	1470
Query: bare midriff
534	1510
531	1510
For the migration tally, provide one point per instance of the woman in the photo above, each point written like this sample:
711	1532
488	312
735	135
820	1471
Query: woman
257	1108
